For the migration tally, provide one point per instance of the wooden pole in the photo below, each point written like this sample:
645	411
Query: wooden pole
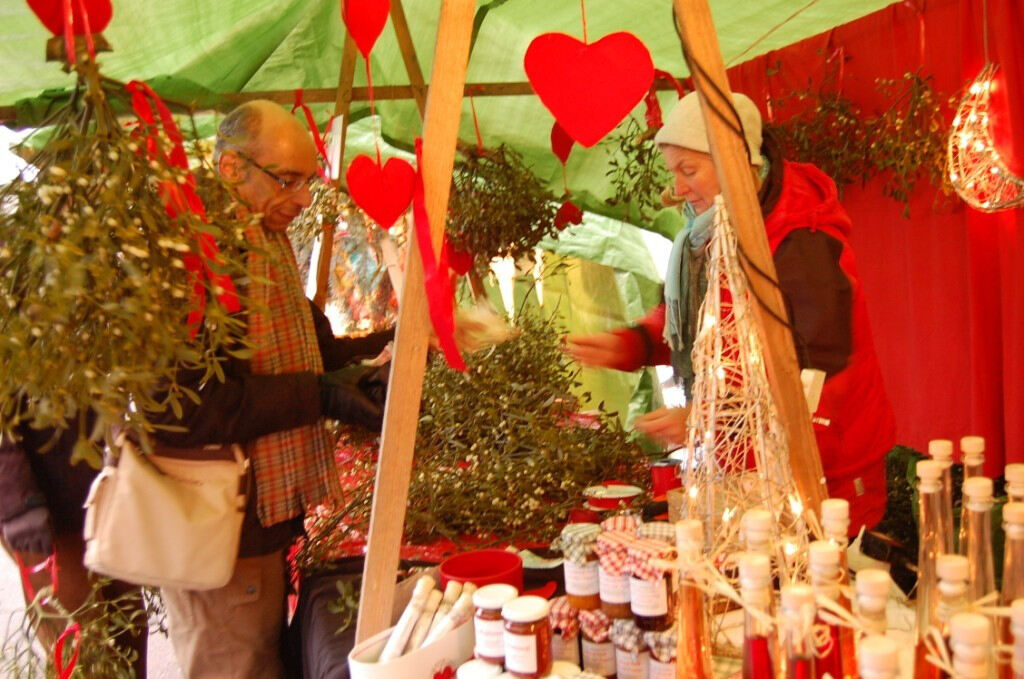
401	414
412	64
728	150
342	102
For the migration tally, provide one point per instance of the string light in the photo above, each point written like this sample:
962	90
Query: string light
977	170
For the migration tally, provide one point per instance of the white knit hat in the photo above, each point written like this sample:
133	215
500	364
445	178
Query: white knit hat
685	127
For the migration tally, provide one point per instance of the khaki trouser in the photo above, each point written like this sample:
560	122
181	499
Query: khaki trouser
232	632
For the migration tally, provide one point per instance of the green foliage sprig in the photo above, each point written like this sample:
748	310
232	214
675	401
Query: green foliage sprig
498	207
94	291
903	144
637	171
498	456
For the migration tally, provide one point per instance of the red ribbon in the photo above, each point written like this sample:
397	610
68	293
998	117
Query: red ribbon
476	126
49	563
435	273
653	114
181	198
64	672
318	139
69	31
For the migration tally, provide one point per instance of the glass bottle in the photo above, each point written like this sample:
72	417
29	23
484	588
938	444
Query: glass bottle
835	524
1013	564
823	570
953	572
758	636
798	613
878	658
693	644
971	642
1014	475
872	591
977	544
1017	625
931	544
941	450
973	450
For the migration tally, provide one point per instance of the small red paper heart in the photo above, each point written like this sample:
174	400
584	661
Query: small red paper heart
561	143
383	193
568	214
589	88
51	13
459	261
365	21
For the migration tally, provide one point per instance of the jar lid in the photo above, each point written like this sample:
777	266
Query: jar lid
1014	473
930	470
477	669
657	530
822	553
978	488
940	449
873	582
970	628
493	597
952	567
525	609
582	532
877	654
972	445
1013	512
796	596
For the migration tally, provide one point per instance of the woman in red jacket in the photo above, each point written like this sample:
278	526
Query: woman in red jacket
808	233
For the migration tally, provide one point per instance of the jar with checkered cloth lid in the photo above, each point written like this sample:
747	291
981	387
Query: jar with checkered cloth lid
613	580
565	631
631	656
650	591
598	651
577	542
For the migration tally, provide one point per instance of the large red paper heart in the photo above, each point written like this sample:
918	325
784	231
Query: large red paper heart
51	13
589	88
365	20
383	193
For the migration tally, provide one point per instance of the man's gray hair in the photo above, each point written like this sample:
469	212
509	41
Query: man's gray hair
238	129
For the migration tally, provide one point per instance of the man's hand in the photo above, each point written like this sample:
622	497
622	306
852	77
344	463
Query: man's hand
346	403
30	531
598	350
665	425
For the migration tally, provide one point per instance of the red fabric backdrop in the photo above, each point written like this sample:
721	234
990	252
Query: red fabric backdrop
945	288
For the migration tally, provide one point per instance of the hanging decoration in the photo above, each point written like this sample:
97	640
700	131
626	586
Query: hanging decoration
742	459
87	15
977	170
365	20
589	87
384	193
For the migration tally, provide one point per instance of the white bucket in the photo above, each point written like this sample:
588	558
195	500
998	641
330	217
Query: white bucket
449	651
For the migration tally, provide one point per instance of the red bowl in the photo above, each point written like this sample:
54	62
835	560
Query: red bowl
484	567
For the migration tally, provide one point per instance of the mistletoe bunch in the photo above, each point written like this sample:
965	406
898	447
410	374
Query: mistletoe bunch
97	281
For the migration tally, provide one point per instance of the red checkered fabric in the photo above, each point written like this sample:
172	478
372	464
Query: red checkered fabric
662	644
626	523
595	625
640	557
564	618
294	468
612	551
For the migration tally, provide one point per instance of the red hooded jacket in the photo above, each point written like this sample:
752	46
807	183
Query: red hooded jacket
854	424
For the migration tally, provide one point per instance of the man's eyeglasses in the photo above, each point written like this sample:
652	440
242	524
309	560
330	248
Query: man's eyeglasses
289	185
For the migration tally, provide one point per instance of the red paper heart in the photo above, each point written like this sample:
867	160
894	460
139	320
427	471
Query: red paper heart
459	261
51	13
383	193
365	21
568	214
589	88
561	143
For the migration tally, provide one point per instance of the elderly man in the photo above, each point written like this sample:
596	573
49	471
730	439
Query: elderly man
272	404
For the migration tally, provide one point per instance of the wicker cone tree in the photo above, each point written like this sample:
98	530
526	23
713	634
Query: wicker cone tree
741	453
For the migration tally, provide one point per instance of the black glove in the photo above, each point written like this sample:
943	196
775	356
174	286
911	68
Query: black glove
374	383
30	531
342	401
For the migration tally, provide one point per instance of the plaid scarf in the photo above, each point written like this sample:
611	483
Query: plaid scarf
294	468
